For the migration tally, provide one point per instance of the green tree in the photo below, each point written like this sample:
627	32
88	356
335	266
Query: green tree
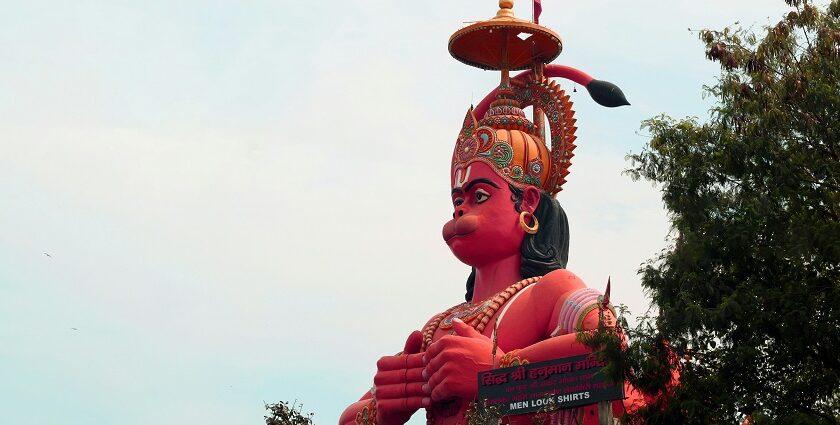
283	414
748	290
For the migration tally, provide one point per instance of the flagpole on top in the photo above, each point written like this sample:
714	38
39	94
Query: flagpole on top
536	10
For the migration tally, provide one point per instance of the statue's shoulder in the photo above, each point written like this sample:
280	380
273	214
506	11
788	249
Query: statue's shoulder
557	284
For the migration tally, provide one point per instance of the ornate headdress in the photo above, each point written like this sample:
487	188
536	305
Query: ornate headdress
500	135
506	140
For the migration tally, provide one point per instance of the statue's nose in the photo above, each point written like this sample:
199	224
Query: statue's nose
459	212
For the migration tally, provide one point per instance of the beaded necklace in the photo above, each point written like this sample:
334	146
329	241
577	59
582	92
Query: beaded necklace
476	315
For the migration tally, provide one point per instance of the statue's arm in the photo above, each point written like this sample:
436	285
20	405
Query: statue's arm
558	346
355	409
567	345
576	308
573	307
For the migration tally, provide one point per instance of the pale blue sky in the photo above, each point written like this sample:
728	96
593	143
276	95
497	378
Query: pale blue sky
242	201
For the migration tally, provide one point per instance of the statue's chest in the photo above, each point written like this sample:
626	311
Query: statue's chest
476	315
507	320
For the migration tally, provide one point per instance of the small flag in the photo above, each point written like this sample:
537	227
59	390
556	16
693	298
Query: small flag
537	11
606	301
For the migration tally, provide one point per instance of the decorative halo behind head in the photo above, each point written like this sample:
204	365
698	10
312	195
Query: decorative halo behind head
507	141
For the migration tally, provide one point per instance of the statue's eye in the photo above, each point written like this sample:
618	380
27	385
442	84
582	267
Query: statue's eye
481	196
458	201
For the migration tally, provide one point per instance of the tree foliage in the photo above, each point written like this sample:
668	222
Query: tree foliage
284	414
748	290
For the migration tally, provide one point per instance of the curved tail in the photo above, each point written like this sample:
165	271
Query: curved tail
603	92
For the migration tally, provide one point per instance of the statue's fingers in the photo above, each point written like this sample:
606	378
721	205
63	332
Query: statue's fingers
435	379
408	403
415	389
414	343
414	361
390	363
440	346
397	391
385	392
388	377
439	361
442	391
398	376
414	375
403	361
465	330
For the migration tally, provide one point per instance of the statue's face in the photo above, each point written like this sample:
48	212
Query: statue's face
485	225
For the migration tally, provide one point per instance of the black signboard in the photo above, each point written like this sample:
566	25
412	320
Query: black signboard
571	381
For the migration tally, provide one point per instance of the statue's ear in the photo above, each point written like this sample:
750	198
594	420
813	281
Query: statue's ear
470	124
530	199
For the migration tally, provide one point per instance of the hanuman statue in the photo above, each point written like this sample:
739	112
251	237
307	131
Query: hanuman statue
522	305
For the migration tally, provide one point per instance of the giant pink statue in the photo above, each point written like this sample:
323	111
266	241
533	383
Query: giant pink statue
507	225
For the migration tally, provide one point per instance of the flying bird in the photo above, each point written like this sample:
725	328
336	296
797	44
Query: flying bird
48	255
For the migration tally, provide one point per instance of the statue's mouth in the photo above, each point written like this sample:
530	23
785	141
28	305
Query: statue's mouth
455	236
459	227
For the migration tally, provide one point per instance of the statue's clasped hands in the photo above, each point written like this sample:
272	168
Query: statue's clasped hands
453	362
447	370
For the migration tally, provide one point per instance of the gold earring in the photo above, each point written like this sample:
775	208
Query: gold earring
529	229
